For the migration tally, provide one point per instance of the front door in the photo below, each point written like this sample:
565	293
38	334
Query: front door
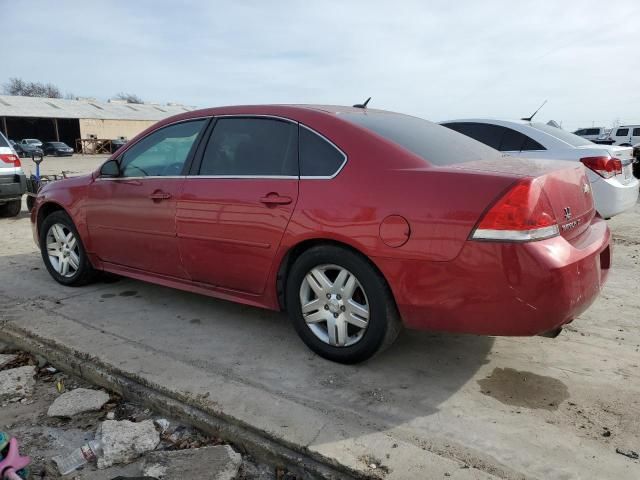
237	203
131	218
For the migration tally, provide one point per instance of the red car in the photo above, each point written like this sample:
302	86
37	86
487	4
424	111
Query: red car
355	221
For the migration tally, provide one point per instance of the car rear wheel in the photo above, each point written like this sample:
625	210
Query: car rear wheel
340	305
11	209
63	252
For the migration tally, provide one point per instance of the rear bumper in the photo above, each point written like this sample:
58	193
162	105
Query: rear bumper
12	186
495	288
612	197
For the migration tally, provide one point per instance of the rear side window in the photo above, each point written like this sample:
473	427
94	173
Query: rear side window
434	143
3	141
318	157
636	132
241	147
592	131
490	135
622	132
516	141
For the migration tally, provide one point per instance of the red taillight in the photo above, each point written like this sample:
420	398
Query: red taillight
523	213
606	167
10	158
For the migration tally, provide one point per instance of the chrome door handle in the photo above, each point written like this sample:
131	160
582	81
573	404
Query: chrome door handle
160	196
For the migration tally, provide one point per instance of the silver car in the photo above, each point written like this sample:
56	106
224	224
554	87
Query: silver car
13	182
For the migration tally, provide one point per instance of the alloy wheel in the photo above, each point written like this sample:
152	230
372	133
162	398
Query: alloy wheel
63	250
334	305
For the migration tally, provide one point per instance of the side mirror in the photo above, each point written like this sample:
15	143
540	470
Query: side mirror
110	169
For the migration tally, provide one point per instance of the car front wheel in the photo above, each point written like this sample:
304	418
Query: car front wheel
63	252
340	305
10	209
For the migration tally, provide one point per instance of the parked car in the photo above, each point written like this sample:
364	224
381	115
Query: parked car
31	141
59	149
609	168
592	133
25	150
355	221
13	182
116	144
625	135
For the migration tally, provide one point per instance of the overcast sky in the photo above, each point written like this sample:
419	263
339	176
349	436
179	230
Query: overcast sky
437	60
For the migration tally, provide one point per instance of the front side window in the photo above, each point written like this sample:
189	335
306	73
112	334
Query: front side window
636	132
622	132
318	157
249	147
163	153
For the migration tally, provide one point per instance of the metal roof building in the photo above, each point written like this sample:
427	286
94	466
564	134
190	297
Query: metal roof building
71	120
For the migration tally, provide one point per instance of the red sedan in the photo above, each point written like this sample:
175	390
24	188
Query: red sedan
355	221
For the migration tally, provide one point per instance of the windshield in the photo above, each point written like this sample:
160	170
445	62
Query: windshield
434	143
58	144
567	137
32	140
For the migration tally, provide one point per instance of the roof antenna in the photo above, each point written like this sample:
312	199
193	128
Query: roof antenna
362	105
528	119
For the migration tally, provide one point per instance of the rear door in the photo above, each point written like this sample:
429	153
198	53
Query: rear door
131	218
237	202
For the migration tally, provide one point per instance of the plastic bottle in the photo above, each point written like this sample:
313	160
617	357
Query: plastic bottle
79	457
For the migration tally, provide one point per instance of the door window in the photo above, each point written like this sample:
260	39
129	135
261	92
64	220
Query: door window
622	132
250	147
636	132
318	157
163	153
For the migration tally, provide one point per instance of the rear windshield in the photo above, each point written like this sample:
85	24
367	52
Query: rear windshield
436	144
3	141
568	137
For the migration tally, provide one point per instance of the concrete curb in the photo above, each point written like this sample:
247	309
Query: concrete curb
244	437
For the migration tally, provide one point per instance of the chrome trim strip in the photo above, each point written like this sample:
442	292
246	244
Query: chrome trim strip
124	179
516	235
251	177
324	177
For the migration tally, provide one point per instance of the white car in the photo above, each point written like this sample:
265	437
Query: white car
609	167
591	133
625	135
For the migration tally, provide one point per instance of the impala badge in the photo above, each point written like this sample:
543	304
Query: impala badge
567	213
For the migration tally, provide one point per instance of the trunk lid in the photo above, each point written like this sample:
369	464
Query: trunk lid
565	184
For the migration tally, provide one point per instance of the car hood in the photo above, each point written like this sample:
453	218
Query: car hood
66	183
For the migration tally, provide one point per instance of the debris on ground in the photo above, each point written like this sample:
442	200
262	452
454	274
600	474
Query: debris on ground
78	401
218	462
6	359
17	384
136	435
123	441
628	453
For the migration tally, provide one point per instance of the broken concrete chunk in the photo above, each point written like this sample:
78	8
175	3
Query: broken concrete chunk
77	401
6	359
17	383
124	441
220	462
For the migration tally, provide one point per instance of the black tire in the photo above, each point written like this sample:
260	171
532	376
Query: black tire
11	209
85	272
384	323
30	202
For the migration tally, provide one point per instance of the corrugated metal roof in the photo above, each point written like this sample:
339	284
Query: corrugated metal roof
60	108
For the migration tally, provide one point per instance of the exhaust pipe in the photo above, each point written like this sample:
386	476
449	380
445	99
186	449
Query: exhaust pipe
551	333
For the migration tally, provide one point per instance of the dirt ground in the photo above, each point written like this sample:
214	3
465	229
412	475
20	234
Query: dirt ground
508	408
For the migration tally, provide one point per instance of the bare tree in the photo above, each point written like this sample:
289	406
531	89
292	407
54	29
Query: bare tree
129	97
18	86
